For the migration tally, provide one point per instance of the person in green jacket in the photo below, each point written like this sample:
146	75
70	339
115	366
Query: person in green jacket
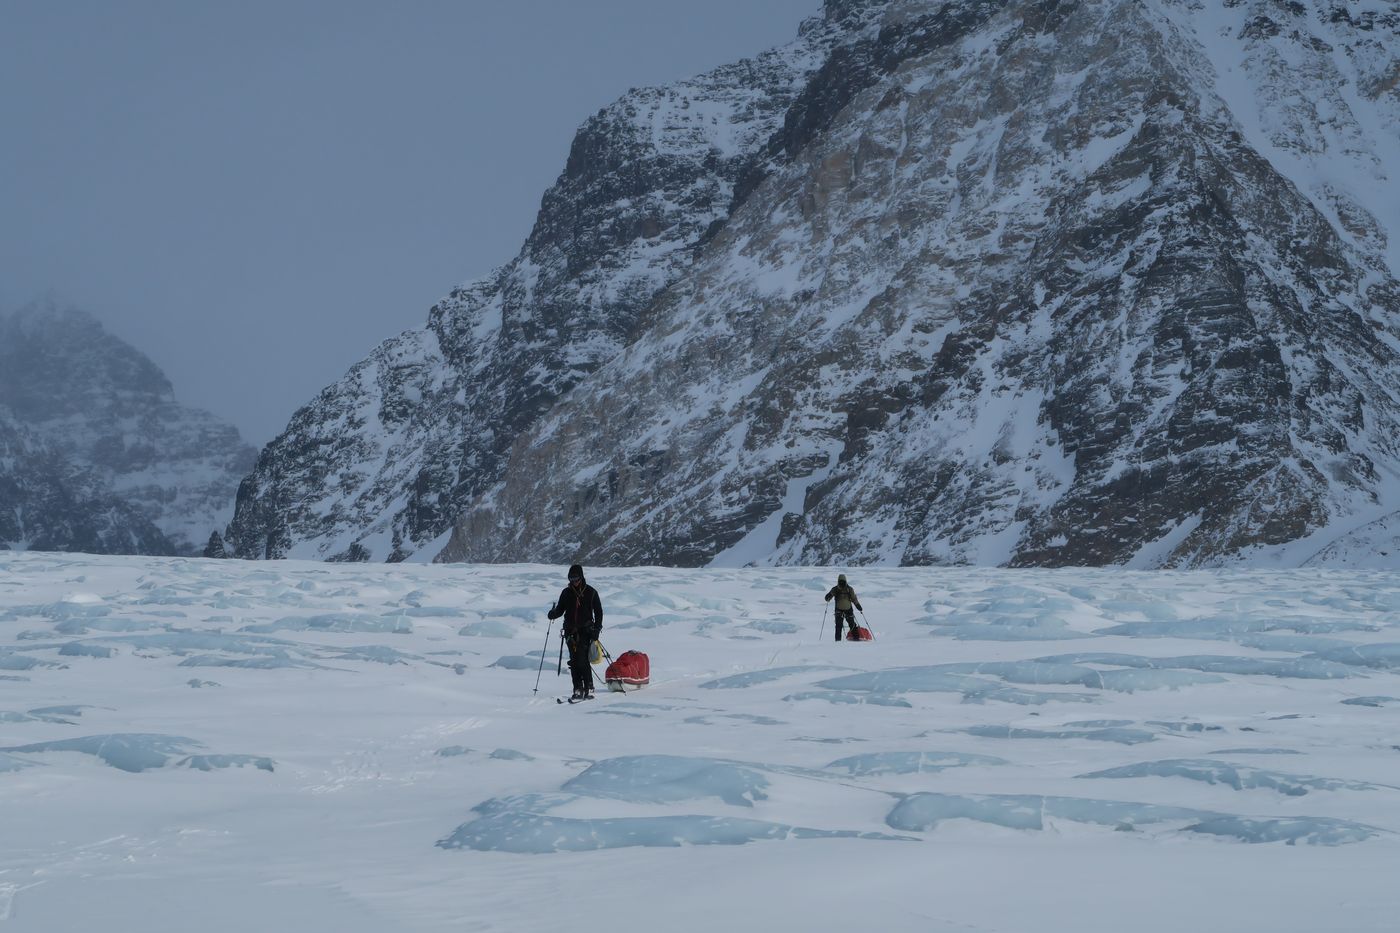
845	599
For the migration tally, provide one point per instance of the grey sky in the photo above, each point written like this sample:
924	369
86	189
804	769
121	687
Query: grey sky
256	193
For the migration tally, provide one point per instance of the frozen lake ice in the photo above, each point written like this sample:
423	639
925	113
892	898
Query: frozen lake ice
362	748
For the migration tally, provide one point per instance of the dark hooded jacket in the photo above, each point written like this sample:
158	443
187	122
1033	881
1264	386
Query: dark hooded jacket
582	611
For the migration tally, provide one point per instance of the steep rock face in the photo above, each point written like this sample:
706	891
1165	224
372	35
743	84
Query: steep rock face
385	459
83	398
990	281
1027	291
49	504
1315	89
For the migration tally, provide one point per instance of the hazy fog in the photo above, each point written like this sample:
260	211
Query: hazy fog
257	193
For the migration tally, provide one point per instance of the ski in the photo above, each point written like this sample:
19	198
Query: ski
571	701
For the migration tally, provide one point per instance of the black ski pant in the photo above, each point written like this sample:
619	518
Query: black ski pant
849	617
579	669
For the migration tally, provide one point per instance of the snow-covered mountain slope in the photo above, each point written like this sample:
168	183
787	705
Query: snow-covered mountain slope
101	410
1315	88
1008	282
48	503
230	746
1031	297
386	458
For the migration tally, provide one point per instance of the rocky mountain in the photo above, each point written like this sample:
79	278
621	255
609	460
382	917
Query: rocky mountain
981	281
49	504
95	453
384	460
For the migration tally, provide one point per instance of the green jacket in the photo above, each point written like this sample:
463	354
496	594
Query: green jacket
845	597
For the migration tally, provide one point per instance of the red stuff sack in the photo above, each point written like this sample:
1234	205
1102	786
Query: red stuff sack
631	669
860	634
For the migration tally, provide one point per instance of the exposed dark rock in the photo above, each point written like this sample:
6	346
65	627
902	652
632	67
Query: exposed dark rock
49	504
969	281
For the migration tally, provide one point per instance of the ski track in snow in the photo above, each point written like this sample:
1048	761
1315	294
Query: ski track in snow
221	745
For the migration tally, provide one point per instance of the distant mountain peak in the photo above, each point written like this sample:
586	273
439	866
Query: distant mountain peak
107	414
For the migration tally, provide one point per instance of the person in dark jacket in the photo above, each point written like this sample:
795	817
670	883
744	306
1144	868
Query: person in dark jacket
845	598
583	621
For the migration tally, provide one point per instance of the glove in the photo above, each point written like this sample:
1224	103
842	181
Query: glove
594	632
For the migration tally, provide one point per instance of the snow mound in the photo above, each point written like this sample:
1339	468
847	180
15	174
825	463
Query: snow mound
874	763
489	628
265	663
926	811
654	621
77	649
847	699
1028	811
945	678
1239	777
523	825
1310	830
1228	628
115	624
1182	727
670	778
517	662
996	631
19	662
510	754
1370	701
182	643
59	714
773	627
432	612
125	751
1011	614
1117	734
1311	668
378	654
337	622
1383	657
754	678
215	762
1066	670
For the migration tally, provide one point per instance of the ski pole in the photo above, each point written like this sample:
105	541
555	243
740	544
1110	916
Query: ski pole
867	624
543	652
560	669
822	631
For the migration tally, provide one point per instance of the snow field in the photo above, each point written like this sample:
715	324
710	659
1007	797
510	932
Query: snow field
221	745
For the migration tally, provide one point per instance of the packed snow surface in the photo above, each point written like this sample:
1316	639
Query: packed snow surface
221	746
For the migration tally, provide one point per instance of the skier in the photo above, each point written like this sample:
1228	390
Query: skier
845	598
583	621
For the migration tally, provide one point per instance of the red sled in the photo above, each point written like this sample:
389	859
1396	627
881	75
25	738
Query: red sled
861	633
631	669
